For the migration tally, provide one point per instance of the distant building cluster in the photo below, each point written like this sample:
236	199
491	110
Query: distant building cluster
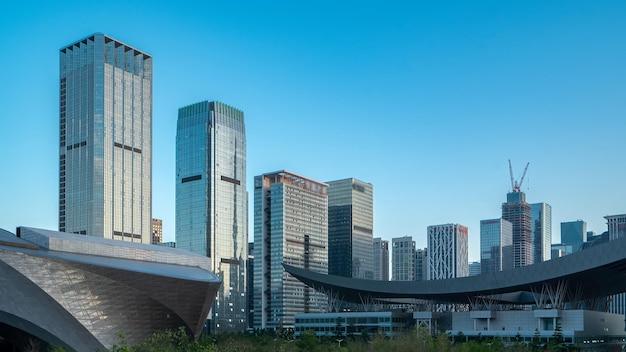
105	190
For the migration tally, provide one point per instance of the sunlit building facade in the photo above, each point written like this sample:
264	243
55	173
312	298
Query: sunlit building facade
350	228
447	251
157	231
291	227
211	201
105	150
402	259
496	245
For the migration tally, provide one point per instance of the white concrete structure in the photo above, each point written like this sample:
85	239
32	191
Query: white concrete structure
447	251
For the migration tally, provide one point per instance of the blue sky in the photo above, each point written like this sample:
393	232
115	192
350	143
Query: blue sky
425	100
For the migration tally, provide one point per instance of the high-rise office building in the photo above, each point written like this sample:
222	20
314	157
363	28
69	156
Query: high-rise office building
517	211
447	251
541	225
403	259
574	233
211	201
421	264
616	229
474	268
291	227
350	228
381	259
105	154
617	226
157	231
496	245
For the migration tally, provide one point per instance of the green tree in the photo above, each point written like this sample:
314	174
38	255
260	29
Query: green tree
308	341
339	328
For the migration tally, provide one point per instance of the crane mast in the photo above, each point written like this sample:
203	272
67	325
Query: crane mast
515	186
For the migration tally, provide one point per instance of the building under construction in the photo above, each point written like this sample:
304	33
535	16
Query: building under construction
517	211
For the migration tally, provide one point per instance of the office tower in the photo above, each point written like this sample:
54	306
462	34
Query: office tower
350	228
517	211
421	264
496	245
447	251
105	154
291	227
474	268
574	233
616	229
617	226
250	285
541	225
211	201
381	259
402	259
157	231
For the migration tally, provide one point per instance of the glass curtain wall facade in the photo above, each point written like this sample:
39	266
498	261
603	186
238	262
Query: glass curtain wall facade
447	251
105	151
350	228
574	233
381	259
517	211
421	264
290	226
541	223
402	259
496	245
211	201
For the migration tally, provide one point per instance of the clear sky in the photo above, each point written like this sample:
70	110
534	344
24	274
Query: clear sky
426	100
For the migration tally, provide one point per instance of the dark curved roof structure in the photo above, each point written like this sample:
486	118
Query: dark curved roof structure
595	272
80	292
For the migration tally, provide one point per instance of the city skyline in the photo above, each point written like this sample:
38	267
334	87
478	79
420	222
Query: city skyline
405	90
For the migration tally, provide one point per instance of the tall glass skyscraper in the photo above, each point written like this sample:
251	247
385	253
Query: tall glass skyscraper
496	245
350	228
541	224
290	226
211	201
105	151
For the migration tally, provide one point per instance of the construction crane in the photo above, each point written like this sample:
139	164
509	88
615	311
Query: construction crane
516	187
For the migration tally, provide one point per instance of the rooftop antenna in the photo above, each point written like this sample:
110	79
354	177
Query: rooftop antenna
515	186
